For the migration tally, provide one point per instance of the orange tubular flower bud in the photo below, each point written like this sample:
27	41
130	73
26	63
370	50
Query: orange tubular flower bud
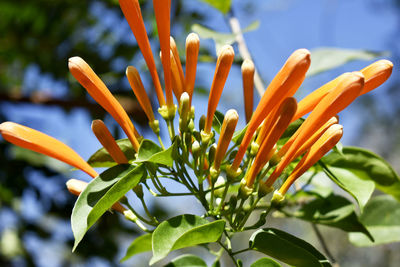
322	146
285	84
98	90
375	75
192	53
76	187
138	89
228	128
177	59
347	90
248	87
133	15
177	81
107	140
31	139
162	9
224	63
310	141
285	113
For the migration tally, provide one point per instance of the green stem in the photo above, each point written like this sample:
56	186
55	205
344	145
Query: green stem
160	141
229	253
139	216
152	218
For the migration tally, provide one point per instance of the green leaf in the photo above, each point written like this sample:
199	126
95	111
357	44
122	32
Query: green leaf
332	210
327	58
381	216
366	166
291	129
220	38
238	135
102	159
139	245
187	260
265	262
286	248
217	121
359	189
184	231
151	152
100	194
222	5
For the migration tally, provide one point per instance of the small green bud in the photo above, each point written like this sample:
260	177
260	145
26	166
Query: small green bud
213	173
206	137
254	147
191	125
155	126
168	113
138	191
196	149
202	122
192	112
211	153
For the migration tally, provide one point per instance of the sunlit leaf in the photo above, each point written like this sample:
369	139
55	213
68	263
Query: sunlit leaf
327	58
184	231
366	166
265	262
151	152
381	216
286	248
102	159
139	245
100	194
222	5
217	121
332	210
187	260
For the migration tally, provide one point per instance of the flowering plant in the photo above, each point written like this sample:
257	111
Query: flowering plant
238	176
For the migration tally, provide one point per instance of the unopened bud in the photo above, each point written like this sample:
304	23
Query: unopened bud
138	191
219	183
202	122
211	153
196	149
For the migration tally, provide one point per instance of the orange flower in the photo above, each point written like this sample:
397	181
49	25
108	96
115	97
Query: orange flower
138	89
98	90
192	53
224	63
177	81
248	87
133	15
228	128
285	84
322	146
178	64
335	101
310	141
375	75
162	9
76	187
282	117
39	142
106	139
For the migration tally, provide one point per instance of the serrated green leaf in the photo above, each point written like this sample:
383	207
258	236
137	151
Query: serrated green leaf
365	166
265	262
332	210
100	194
184	231
187	260
327	58
151	152
222	5
139	245
102	159
286	248
381	216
